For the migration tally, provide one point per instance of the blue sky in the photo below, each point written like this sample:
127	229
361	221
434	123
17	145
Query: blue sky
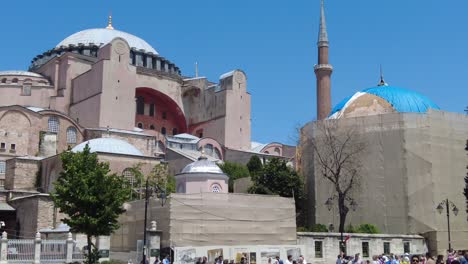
422	45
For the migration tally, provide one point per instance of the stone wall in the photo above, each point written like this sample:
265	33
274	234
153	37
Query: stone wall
324	247
22	174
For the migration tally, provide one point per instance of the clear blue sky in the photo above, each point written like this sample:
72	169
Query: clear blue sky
422	45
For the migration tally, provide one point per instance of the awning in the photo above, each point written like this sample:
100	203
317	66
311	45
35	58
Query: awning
6	207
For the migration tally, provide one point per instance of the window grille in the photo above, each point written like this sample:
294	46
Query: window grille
71	135
151	110
318	249
365	249
163	131
53	124
128	175
216	188
2	167
406	247
26	90
386	247
140	105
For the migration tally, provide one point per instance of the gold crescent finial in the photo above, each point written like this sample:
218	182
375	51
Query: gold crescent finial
109	22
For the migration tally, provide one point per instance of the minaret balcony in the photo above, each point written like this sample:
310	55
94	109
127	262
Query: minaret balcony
323	67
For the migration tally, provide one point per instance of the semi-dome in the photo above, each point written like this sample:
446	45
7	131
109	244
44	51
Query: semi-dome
103	36
382	99
202	165
109	145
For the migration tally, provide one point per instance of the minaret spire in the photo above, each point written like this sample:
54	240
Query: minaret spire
382	81
323	35
323	69
109	21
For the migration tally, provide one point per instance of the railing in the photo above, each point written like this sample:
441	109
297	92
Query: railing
29	251
20	250
53	251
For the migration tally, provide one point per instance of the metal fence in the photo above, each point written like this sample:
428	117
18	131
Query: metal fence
29	251
20	251
53	251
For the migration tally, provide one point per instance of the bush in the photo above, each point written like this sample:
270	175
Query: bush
319	228
368	229
112	261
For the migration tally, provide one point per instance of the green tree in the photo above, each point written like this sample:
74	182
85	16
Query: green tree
158	176
255	166
367	229
234	171
90	196
278	178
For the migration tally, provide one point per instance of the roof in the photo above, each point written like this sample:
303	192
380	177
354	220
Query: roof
109	145
183	138
35	109
20	73
256	146
103	36
202	165
401	99
6	207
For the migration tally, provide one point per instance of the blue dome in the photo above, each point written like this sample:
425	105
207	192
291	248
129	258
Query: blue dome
400	99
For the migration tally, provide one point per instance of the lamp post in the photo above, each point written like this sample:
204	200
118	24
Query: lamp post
329	204
162	197
447	205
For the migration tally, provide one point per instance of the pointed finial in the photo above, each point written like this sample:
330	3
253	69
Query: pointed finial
196	69
382	81
109	21
323	35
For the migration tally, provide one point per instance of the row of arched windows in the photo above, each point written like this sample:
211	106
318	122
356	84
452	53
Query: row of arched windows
53	125
163	129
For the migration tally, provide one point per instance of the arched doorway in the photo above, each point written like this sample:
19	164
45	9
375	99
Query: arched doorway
155	110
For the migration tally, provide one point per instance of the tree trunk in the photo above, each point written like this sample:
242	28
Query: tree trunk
89	254
343	211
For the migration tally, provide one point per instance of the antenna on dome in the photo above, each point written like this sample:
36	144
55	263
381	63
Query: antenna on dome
109	21
382	81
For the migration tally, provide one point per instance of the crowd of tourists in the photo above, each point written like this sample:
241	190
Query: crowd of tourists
453	257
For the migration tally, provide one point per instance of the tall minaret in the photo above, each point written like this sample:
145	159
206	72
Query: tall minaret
323	70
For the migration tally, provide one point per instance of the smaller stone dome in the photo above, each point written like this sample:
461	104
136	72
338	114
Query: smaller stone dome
202	165
20	73
109	145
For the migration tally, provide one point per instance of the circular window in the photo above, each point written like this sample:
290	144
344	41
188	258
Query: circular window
215	188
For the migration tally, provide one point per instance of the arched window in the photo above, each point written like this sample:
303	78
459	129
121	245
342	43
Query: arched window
174	131
71	135
129	177
152	127
215	188
4	80
217	153
277	151
15	80
53	124
163	131
209	149
140	125
140	105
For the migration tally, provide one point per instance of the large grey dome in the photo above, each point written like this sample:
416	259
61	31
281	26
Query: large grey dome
102	36
109	145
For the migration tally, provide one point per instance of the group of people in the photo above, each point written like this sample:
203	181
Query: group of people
289	260
453	257
244	260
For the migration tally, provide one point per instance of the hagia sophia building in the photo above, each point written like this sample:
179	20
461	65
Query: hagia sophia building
114	91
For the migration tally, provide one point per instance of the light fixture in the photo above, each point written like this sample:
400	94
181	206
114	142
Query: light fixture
353	205
455	211
329	204
440	208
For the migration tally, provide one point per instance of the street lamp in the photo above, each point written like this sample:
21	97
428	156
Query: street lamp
446	204
161	194
329	204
